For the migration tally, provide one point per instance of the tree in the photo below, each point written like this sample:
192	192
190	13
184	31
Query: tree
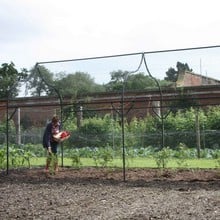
39	80
77	83
172	74
139	81
131	81
183	67
117	79
10	80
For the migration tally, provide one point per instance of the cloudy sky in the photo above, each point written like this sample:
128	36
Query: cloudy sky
43	30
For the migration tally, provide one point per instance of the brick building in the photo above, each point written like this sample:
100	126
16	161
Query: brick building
187	78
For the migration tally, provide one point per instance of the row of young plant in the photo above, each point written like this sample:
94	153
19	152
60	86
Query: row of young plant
104	156
18	156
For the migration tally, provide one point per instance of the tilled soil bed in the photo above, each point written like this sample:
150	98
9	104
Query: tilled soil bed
92	193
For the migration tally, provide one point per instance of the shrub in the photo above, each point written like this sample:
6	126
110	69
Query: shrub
162	157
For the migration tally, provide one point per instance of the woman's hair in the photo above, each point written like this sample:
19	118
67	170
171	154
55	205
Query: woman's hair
55	119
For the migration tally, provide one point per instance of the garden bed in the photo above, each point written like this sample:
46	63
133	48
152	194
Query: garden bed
96	193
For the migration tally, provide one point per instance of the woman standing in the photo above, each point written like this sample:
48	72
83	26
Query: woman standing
50	144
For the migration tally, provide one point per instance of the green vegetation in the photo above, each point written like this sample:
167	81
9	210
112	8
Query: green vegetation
180	127
106	157
98	142
134	163
10	79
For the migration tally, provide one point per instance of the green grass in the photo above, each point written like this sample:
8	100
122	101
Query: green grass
136	163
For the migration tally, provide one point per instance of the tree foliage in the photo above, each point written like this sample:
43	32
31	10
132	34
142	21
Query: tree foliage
10	79
131	81
96	132
77	83
180	128
39	82
44	82
117	80
213	118
172	74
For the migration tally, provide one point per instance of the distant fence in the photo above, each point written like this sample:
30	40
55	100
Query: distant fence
208	139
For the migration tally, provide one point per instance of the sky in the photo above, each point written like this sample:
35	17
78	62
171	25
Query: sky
44	30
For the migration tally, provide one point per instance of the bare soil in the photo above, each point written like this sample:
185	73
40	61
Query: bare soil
92	193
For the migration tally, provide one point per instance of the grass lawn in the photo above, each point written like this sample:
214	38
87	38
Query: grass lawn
135	163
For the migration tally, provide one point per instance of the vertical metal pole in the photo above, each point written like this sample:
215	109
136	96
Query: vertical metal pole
7	144
61	118
123	132
198	141
162	122
19	126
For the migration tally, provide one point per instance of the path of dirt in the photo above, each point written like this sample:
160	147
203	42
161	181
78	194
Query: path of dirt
91	193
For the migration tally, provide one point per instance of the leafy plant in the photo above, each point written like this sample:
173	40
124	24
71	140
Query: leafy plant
218	162
75	157
27	155
2	157
53	163
215	154
182	155
162	157
15	157
103	156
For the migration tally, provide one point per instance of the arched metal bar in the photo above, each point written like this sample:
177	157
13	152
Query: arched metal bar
60	99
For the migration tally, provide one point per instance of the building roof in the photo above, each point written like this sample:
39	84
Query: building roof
188	78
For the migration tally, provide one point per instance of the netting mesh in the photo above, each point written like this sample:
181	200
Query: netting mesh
117	133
